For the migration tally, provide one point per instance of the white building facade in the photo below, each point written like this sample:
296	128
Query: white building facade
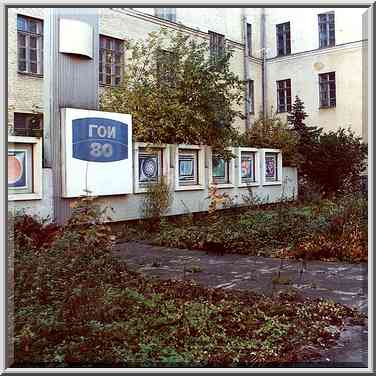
315	53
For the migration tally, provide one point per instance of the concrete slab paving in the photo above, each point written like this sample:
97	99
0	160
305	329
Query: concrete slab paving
343	283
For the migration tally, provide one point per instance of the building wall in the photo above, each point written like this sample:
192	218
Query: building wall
303	70
307	61
304	27
25	92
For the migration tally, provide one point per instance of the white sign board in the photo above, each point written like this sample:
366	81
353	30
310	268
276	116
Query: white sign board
96	153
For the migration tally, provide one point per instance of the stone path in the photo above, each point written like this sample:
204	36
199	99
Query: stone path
341	282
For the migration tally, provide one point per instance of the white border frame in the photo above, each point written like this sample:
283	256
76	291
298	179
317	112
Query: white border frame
165	163
257	181
279	167
231	172
201	168
37	180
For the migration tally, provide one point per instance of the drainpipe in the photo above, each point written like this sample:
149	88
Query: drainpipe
263	56
246	70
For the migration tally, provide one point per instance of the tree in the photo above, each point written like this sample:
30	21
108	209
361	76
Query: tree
329	160
309	136
177	93
272	132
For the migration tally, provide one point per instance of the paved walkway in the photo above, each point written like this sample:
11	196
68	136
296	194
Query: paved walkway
341	282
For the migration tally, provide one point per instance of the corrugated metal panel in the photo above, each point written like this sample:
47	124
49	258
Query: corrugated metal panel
70	81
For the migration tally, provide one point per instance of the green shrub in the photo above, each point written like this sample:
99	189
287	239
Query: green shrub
272	132
156	201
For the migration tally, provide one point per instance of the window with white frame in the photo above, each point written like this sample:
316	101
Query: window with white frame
326	29
188	167
251	97
149	166
110	60
220	170
248	167
327	83
283	39
168	14
30	45
271	167
284	95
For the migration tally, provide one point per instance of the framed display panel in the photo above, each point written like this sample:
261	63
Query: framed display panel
24	168
189	167
271	166
221	171
150	164
96	150
249	167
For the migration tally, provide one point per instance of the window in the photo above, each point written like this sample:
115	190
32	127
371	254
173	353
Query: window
247	167
220	170
168	14
217	44
166	67
251	99
249	39
30	45
149	166
326	30
283	39
271	167
284	96
28	124
110	61
327	83
188	167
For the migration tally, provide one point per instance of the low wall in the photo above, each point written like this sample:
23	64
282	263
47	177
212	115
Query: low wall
128	207
42	208
185	198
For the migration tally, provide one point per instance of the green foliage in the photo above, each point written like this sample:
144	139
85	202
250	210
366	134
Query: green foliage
329	159
157	200
339	160
272	132
335	230
176	93
92	311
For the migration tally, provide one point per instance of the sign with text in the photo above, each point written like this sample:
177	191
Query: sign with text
100	140
97	153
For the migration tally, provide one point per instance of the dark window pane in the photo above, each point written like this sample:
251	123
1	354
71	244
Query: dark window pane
33	42
100	67
33	55
22	39
33	68
21	23
32	26
101	77
22	53
22	65
117	80
108	69
117	70
108	79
